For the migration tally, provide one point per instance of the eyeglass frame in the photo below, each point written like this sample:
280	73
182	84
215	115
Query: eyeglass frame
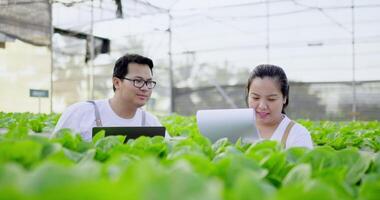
134	81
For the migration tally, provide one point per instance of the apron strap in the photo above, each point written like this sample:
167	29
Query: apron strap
286	133
97	115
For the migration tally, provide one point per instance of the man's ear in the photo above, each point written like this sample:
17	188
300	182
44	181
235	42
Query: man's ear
116	82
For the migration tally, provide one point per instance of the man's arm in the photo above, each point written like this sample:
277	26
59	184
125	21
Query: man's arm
153	121
75	117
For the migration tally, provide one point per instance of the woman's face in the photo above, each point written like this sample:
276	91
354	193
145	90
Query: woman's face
265	97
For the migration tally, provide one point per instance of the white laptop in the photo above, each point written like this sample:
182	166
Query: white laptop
228	123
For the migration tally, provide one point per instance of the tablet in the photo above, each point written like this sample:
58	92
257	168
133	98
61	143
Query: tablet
228	123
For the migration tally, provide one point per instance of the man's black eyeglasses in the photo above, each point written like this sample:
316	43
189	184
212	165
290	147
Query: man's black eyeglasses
139	83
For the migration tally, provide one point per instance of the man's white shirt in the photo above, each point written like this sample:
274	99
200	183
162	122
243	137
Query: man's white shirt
80	118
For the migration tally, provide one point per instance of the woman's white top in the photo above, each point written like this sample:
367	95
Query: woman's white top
298	136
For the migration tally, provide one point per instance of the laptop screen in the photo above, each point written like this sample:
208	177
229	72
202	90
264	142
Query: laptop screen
131	132
228	123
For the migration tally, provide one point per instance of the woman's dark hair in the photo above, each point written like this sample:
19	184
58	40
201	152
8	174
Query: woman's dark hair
274	72
121	66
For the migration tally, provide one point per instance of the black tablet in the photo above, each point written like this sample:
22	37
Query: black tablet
131	132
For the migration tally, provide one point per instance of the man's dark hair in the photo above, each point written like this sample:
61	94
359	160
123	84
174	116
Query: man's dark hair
274	72
121	66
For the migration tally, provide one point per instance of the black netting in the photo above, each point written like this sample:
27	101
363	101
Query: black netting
316	101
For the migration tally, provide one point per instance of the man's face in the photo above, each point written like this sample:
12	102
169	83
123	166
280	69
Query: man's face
128	92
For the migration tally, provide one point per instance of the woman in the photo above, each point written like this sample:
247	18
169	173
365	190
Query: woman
268	93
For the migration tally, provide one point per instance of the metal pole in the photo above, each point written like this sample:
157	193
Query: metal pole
171	84
39	105
224	94
353	62
268	35
91	71
51	55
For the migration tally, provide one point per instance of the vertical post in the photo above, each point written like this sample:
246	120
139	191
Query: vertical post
39	105
171	81
91	48
51	55
268	29
353	62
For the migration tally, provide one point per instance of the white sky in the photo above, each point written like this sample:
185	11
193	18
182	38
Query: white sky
235	31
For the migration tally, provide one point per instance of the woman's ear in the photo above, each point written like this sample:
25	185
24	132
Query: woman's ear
284	100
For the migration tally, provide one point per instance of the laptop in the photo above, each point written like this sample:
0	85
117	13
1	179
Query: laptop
131	132
228	123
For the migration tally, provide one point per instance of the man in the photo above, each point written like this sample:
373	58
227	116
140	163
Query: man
132	83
